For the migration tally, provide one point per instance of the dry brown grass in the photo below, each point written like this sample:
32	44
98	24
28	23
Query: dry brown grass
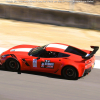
15	32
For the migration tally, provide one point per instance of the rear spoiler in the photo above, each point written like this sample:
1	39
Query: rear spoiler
88	56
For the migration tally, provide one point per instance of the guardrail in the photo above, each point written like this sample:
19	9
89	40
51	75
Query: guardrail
50	16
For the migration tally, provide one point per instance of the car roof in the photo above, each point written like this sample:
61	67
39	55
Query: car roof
58	47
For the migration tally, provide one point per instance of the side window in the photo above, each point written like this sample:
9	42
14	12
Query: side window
53	54
40	53
49	54
43	54
63	55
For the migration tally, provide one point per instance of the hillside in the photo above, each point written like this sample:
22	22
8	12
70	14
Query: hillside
16	32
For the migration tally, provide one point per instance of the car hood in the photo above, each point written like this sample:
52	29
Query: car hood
20	50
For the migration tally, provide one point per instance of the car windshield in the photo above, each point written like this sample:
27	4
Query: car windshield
36	51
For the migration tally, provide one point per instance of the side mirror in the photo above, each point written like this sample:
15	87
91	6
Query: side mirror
38	58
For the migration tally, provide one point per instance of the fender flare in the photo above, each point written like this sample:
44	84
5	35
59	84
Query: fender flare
14	59
71	66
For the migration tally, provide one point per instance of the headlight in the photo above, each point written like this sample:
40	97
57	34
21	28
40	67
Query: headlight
3	56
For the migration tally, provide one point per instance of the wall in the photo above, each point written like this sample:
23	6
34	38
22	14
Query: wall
50	16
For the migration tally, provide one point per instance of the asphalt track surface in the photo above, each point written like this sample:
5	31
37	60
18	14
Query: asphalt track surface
43	86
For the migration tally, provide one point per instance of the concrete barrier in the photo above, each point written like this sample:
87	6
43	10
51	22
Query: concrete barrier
50	16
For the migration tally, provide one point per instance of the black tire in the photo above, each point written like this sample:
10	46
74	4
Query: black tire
12	65
70	73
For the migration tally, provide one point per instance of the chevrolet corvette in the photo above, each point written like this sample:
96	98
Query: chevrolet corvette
55	58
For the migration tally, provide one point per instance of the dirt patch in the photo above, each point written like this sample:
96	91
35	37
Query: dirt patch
16	32
90	7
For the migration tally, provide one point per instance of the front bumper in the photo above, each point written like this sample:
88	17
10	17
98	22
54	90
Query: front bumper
0	62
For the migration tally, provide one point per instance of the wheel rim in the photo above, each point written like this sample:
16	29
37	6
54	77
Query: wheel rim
12	64
70	72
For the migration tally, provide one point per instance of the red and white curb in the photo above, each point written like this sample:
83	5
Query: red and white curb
97	62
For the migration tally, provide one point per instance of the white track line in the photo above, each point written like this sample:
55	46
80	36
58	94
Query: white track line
97	62
2	50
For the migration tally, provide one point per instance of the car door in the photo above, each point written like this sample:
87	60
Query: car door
49	65
46	61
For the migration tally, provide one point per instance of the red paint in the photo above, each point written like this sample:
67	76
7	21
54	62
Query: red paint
74	60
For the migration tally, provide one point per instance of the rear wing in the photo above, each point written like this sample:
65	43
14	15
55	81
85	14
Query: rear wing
88	56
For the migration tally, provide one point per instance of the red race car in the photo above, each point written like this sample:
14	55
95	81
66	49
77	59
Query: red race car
55	58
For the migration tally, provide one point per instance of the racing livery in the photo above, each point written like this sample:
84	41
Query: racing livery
55	58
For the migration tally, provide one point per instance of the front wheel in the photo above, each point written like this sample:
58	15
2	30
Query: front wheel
12	65
70	72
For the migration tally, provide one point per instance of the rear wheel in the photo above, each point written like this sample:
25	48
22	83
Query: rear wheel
12	65
70	72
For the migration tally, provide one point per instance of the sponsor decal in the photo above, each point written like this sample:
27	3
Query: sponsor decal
92	65
34	62
47	60
47	64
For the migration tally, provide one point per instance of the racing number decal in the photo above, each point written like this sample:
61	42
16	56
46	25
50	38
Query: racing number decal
47	64
34	62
